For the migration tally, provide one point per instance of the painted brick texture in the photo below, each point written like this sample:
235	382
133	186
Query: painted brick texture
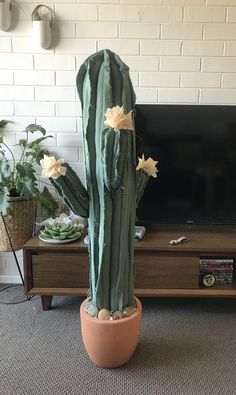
178	51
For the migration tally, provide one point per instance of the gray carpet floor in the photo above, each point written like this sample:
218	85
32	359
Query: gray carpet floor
188	346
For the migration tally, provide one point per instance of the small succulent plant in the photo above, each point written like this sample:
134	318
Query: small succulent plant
42	13
61	231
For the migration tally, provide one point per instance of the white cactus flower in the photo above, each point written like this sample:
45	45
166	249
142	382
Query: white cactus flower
117	119
52	168
149	166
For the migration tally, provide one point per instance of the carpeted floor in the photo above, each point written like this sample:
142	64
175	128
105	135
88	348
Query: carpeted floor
188	346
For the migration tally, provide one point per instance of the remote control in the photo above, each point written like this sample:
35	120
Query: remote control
139	232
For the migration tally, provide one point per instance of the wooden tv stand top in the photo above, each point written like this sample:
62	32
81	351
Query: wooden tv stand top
161	269
200	239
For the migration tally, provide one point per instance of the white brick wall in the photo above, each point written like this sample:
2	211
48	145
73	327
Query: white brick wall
178	51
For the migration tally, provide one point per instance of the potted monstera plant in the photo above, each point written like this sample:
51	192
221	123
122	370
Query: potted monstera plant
19	191
111	316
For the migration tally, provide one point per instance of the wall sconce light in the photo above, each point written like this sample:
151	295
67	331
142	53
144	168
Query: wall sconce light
42	18
5	15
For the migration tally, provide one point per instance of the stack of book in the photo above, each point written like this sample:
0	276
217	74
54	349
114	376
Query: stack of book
216	271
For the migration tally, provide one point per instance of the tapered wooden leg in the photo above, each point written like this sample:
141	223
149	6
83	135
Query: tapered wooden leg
46	301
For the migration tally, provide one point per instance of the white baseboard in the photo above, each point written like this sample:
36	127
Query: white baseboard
6	279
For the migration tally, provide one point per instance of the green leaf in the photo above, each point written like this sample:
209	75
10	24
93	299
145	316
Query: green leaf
33	127
47	201
27	187
4	168
6	182
26	170
3	123
29	153
38	141
3	200
39	154
22	143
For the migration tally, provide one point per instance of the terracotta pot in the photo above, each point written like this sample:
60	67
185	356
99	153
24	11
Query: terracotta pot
110	343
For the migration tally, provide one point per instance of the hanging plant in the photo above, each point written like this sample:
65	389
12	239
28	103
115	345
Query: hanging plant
42	18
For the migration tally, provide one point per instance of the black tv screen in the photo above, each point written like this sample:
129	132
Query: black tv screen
195	146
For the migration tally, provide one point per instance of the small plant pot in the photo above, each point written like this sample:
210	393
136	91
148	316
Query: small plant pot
5	16
42	34
110	344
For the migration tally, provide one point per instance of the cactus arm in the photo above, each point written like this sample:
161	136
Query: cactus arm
71	189
142	180
62	195
115	152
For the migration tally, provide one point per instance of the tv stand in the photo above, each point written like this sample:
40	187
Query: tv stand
174	270
162	270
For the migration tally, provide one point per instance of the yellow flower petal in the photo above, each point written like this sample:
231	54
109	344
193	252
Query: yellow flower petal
117	119
149	166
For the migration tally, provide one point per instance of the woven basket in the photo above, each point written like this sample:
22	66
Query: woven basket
19	222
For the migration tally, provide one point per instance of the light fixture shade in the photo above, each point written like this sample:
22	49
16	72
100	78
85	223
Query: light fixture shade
5	15
41	34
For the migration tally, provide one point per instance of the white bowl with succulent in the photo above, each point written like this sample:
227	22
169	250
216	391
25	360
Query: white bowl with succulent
60	230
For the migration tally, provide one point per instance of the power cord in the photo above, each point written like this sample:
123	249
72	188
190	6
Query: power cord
28	298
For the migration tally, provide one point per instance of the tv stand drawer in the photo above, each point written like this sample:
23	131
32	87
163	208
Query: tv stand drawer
58	270
160	271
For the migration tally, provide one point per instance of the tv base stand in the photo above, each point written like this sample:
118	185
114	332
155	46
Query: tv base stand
162	270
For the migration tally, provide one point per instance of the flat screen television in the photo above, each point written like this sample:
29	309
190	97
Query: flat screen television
195	146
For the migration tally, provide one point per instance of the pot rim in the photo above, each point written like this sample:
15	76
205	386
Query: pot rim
112	322
17	198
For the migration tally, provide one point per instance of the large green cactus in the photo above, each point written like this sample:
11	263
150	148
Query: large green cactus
114	187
